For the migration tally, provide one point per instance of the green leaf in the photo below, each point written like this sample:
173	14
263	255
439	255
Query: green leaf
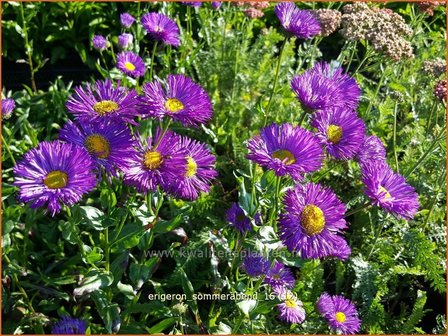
109	312
188	290
127	290
93	255
119	265
417	313
93	217
246	306
92	282
129	237
162	325
163	226
108	198
155	308
139	273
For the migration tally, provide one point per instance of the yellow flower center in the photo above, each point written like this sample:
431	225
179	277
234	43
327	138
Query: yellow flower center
290	302
56	179
152	160
285	156
192	167
313	220
174	105
129	66
105	106
384	190
334	133
340	317
98	145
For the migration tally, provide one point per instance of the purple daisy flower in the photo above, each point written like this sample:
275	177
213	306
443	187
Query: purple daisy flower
340	130
125	40
192	3
286	150
325	86
216	4
103	101
52	173
238	219
199	170
291	309
255	264
161	28
156	162
389	190
131	64
280	278
340	313
108	143
312	220
179	98
8	105
69	326
126	20
371	149
299	23
99	42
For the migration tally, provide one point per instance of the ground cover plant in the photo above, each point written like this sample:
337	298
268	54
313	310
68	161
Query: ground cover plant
228	167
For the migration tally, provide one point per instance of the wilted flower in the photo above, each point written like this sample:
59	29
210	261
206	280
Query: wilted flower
99	42
126	20
389	190
125	40
69	326
131	64
440	90
8	105
329	20
161	28
54	173
340	313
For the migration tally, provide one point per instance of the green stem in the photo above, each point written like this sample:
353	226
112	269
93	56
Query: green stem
107	248
394	138
273	215
275	81
165	129
238	324
17	284
302	118
434	200
9	151
28	48
433	108
377	90
352	54
366	57
153	54
377	235
358	209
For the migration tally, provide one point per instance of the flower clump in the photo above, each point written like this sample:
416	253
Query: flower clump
434	67
329	20
385	30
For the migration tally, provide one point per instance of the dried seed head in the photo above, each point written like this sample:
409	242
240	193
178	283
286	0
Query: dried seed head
440	90
329	20
434	67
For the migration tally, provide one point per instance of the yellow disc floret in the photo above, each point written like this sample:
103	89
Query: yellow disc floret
98	145
174	105
340	317
56	179
105	106
129	66
152	160
285	156
334	133
192	167
313	219
384	190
